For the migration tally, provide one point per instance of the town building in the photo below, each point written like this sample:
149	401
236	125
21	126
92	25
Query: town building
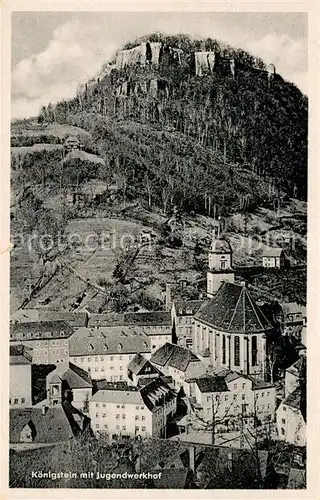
291	420
20	394
232	398
291	413
179	363
49	340
232	326
141	368
294	320
129	411
72	384
106	352
182	314
273	257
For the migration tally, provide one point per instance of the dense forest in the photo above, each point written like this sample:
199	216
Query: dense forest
228	140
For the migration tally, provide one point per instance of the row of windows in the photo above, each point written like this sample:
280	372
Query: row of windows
102	358
53	351
118	427
15	401
37	335
54	343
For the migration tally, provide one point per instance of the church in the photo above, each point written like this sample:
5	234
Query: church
230	325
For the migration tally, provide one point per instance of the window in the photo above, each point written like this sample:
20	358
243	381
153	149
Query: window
89	359
111	367
254	351
123	415
103	405
106	426
15	401
97	426
223	264
283	420
96	358
117	427
123	427
224	349
102	368
121	377
284	408
268	393
118	416
23	400
235	386
82	360
143	417
137	407
97	415
282	431
143	428
37	344
97	405
237	350
226	397
208	399
96	369
243	397
136	417
104	415
120	357
118	406
101	359
243	386
123	406
111	358
121	368
9	401
136	427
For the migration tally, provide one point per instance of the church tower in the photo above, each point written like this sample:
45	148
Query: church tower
220	265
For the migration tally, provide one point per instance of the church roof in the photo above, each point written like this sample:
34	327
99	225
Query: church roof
233	310
220	246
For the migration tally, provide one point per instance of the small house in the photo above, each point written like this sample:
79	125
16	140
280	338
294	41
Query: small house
273	257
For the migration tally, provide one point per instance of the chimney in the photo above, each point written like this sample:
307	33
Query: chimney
138	464
192	458
168	296
43	409
230	461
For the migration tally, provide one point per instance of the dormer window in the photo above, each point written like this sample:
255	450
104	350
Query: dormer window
181	311
120	347
105	347
90	347
145	345
61	333
189	311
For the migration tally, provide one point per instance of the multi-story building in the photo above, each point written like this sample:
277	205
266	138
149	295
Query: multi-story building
75	319
273	257
291	420
182	314
230	396
106	352
291	413
155	324
49	340
179	363
129	411
20	394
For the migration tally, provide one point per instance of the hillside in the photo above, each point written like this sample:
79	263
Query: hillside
161	131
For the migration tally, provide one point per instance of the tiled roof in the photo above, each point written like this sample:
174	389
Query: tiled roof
293	308
76	319
75	377
137	363
233	310
150	318
294	399
174	356
118	396
212	384
40	330
86	341
52	427
106	319
295	368
187	307
20	355
272	252
155	393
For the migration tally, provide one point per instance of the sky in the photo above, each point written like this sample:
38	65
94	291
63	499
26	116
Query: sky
53	52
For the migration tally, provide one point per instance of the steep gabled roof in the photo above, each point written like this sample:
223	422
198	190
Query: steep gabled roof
212	384
272	252
233	310
187	307
76	378
174	356
105	340
138	363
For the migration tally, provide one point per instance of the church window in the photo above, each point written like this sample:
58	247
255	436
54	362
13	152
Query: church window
223	349
254	351
236	350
